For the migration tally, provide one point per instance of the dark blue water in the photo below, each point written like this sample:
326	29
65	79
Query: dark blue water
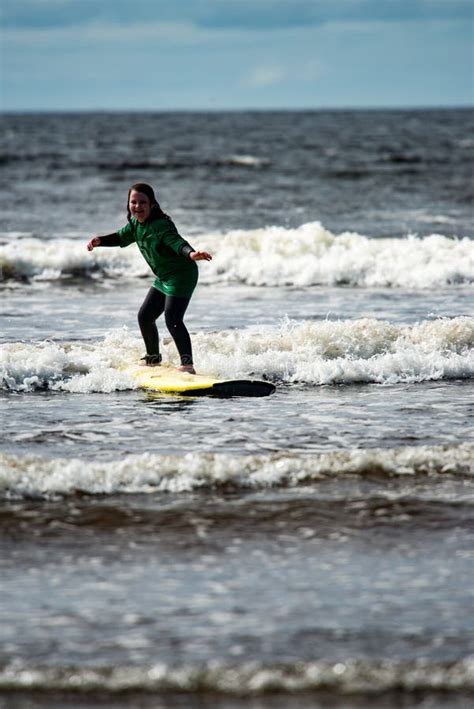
374	172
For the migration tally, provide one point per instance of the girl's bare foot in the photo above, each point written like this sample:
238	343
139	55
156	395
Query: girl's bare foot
188	368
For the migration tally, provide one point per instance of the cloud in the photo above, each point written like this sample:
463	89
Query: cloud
222	14
100	32
265	75
270	14
298	70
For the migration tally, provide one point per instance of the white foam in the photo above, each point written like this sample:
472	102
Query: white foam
308	352
58	259
312	255
271	256
434	219
73	367
150	473
249	160
347	351
343	678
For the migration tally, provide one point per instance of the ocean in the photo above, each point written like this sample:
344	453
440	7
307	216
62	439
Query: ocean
313	548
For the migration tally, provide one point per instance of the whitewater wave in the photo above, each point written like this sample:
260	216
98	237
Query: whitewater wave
272	256
252	678
304	352
312	255
34	259
34	476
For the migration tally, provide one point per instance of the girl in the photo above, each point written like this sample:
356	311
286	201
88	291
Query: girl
171	259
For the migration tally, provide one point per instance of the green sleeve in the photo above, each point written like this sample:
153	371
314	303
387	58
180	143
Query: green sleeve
126	235
172	239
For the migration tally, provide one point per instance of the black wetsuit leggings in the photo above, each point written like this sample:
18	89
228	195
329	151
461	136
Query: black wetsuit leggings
174	308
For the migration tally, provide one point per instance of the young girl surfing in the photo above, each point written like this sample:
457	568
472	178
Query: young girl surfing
171	259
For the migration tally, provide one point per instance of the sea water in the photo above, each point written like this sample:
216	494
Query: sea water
312	548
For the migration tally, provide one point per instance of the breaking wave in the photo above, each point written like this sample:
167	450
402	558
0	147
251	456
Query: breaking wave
272	256
305	352
34	476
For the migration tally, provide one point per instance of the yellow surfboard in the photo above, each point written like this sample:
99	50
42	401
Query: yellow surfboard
168	380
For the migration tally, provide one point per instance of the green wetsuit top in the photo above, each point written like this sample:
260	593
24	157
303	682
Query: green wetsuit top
165	251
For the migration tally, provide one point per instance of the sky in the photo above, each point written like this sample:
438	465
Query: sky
65	55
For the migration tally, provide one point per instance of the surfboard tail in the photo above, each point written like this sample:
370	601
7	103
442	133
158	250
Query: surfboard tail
238	387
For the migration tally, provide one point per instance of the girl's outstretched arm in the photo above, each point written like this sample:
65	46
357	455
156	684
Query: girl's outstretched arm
109	240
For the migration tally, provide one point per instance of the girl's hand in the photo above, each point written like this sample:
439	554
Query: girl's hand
95	241
200	256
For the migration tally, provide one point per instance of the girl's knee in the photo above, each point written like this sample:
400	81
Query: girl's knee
172	322
144	317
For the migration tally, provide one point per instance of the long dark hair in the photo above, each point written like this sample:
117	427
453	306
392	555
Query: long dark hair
156	211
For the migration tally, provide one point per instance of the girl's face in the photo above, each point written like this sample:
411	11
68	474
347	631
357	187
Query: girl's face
139	206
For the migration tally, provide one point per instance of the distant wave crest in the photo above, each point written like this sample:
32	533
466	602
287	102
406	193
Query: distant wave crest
347	677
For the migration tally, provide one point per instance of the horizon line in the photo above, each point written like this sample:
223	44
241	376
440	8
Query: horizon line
302	109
